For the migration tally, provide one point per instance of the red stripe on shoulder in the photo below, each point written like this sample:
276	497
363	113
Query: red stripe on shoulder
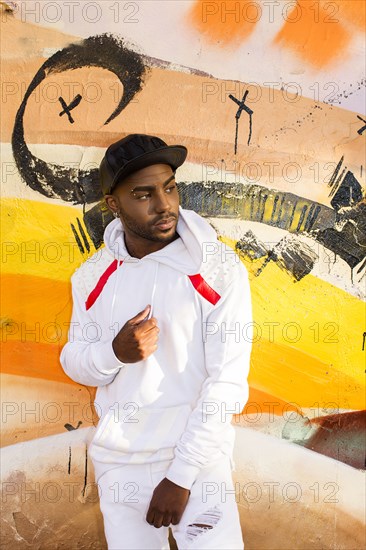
204	288
101	284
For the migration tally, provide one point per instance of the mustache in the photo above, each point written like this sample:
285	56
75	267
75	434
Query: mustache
165	218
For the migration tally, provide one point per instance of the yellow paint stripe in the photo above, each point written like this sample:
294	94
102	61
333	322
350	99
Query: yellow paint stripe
37	239
28	300
304	380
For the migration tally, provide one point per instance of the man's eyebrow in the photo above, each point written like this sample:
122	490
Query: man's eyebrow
151	187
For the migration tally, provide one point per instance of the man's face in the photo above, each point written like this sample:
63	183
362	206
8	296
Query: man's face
148	203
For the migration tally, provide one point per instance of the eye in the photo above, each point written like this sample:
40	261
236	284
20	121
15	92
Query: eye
170	189
142	197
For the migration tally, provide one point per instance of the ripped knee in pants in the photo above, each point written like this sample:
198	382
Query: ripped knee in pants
203	523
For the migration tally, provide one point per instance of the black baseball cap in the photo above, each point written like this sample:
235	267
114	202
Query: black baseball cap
134	152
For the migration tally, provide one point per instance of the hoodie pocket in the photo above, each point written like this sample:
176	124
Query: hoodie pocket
145	429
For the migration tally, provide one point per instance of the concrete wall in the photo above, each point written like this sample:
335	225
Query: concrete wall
268	98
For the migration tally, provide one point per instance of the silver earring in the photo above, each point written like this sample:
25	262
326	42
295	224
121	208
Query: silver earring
116	214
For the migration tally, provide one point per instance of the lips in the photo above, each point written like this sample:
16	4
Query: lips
166	223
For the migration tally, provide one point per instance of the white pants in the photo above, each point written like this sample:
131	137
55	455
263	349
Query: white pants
210	520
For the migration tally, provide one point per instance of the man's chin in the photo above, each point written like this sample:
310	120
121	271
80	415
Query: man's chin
163	235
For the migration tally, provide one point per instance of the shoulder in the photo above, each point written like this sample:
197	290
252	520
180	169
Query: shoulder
222	267
86	277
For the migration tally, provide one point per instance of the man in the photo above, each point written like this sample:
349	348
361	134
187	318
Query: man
161	325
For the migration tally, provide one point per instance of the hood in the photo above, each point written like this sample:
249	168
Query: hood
185	254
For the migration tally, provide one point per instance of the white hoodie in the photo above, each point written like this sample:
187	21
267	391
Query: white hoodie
178	403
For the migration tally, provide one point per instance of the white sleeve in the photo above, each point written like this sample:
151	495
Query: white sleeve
227	342
88	358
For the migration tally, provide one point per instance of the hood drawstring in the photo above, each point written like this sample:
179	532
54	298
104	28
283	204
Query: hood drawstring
119	262
153	289
115	292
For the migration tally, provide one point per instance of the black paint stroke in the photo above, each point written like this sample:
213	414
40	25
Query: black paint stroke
335	173
77	239
345	188
319	222
96	220
294	257
8	8
348	192
274	207
85	472
70	427
256	203
340	436
69	463
337	182
242	107
71	184
302	217
363	128
362	266
67	108
250	247
347	236
311	217
85	238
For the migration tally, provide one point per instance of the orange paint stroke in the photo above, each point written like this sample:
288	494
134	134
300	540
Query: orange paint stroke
286	372
224	22
40	408
353	10
39	360
314	32
33	359
263	402
35	313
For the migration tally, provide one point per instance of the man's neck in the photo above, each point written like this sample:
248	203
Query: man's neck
141	249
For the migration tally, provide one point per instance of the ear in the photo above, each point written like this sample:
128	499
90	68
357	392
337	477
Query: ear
112	203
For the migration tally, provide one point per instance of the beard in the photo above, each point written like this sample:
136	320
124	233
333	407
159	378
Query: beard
145	231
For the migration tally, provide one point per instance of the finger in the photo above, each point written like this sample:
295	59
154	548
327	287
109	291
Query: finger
167	519
140	316
147	326
142	343
150	516
175	519
150	350
150	323
158	520
149	338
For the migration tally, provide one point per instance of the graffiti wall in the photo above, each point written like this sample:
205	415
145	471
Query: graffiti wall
268	97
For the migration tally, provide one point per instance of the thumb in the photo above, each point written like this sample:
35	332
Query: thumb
140	316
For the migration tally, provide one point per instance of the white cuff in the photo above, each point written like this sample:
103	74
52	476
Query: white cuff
182	473
104	358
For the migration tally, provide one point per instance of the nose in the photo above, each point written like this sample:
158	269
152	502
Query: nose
161	202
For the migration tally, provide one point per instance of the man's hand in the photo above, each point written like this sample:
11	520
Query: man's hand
167	504
137	339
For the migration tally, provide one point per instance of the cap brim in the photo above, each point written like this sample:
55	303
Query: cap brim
174	155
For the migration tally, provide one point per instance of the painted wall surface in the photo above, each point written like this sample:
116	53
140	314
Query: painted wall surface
268	97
